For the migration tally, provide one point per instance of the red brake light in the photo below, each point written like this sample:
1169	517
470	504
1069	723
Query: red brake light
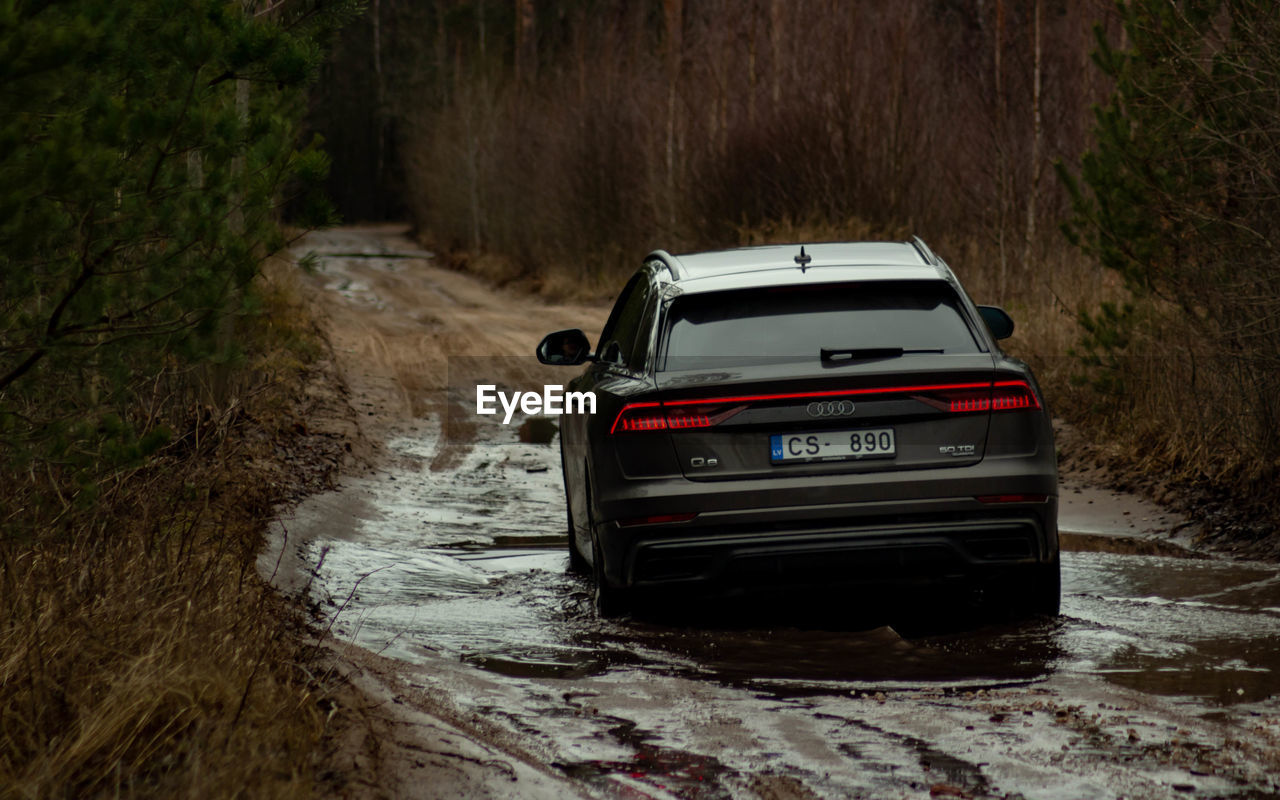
1013	396
660	417
968	401
1000	396
1012	498
676	420
657	519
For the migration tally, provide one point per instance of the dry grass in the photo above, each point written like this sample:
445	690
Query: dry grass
137	671
140	653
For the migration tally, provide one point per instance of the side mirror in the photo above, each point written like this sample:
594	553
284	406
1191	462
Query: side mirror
998	322
564	348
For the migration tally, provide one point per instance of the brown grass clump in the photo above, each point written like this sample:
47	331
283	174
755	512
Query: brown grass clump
140	653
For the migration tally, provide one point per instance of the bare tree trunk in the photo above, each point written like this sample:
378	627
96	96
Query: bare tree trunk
442	59
380	93
1002	157
195	169
673	13
895	148
249	8
722	65
526	42
473	168
475	119
238	161
219	384
775	43
753	78
1037	138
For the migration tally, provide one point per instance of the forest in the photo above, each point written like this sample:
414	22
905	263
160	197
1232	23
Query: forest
1104	171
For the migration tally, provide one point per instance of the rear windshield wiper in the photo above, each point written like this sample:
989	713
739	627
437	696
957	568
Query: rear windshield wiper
865	353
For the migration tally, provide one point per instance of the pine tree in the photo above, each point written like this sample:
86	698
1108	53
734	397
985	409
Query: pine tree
137	200
1181	197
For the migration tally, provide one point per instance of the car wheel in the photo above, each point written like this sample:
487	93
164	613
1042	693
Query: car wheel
1044	590
610	600
1030	592
577	562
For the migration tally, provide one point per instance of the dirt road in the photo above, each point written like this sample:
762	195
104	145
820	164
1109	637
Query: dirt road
443	574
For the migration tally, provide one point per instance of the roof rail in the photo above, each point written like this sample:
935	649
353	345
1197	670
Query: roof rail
672	263
925	252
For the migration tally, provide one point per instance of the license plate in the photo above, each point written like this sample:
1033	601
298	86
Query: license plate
848	445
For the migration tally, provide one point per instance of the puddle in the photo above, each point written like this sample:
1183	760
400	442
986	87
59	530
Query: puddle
539	665
1123	545
1172	626
846	696
471	561
791	662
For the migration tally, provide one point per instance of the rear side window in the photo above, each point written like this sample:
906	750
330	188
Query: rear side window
618	341
795	323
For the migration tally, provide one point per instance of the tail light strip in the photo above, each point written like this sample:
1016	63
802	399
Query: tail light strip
1004	396
965	398
662	417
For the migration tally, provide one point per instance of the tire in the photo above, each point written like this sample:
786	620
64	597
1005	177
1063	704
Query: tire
1044	590
610	600
1030	592
577	562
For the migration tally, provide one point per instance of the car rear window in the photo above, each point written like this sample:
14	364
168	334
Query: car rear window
795	323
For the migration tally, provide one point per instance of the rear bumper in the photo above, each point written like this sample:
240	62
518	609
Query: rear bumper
864	529
869	554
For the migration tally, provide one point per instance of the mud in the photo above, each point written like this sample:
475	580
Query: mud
448	561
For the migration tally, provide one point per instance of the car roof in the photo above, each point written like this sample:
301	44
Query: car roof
773	265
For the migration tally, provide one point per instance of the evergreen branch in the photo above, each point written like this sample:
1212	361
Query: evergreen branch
173	132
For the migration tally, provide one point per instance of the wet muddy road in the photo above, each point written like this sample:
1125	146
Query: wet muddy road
1160	679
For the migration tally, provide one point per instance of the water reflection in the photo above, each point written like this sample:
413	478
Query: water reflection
804	646
1169	626
471	562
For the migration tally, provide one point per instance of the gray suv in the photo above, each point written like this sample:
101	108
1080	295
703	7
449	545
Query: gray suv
834	414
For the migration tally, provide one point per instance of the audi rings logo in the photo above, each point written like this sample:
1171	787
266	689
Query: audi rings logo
830	408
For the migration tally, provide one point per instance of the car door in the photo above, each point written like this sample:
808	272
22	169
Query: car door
623	356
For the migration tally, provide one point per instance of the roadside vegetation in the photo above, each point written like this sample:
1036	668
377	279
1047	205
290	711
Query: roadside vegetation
553	143
148	372
1180	197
